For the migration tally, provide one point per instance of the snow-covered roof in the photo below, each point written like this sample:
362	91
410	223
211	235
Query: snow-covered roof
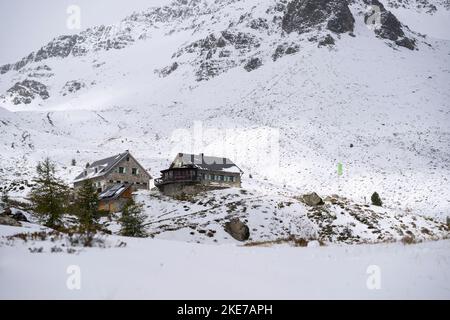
100	167
203	162
114	191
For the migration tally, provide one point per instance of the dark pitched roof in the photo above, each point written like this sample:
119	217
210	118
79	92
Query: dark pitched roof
203	162
102	166
114	191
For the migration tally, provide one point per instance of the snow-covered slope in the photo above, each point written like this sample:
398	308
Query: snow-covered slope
335	90
159	269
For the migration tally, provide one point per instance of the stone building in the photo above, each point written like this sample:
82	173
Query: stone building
119	169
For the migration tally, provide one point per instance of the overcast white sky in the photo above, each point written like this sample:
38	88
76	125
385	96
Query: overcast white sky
26	25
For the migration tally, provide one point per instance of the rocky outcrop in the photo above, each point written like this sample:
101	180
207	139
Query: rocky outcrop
237	229
305	15
252	64
72	87
388	26
26	91
164	72
213	53
284	49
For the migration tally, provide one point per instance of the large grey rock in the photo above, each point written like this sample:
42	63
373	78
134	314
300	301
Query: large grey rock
312	199
237	229
8	221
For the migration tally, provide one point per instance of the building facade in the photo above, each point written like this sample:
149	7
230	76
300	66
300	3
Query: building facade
190	174
119	169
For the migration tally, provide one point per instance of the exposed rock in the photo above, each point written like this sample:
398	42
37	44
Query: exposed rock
237	229
312	199
389	26
164	72
72	86
26	91
304	15
7	212
259	24
284	49
327	41
407	43
58	47
252	64
19	216
8	221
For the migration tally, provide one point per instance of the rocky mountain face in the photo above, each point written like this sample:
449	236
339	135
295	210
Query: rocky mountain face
247	39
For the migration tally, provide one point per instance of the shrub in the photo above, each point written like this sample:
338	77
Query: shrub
408	240
376	200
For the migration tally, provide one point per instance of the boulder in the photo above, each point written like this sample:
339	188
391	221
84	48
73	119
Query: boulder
237	229
19	216
7	211
312	199
8	221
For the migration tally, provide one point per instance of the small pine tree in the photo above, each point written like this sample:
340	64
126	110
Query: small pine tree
74	162
5	197
49	195
86	207
132	220
376	200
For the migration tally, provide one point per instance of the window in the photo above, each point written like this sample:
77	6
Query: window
138	183
231	179
96	170
85	173
145	183
128	158
118	181
221	178
134	171
121	170
111	181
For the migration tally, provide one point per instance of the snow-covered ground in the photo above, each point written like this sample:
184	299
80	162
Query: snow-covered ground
159	269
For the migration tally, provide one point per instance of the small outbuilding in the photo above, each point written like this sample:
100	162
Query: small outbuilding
114	198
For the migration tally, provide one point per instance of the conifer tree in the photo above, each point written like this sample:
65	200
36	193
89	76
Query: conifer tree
132	220
49	195
86	206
